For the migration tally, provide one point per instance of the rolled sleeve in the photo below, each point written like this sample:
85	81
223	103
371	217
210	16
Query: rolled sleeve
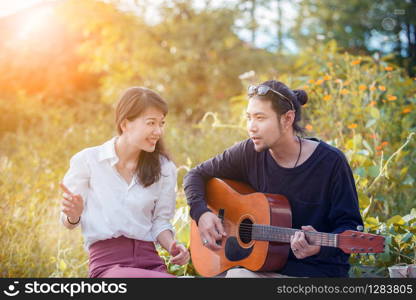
77	177
165	204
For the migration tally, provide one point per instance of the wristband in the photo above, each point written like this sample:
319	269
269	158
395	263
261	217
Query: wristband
79	219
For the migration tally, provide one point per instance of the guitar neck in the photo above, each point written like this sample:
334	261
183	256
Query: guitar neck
282	234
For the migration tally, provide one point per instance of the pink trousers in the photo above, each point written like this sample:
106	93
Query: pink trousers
125	258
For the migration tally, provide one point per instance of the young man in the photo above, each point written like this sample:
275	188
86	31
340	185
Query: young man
314	176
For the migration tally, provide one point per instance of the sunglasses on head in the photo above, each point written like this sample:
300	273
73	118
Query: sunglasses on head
262	90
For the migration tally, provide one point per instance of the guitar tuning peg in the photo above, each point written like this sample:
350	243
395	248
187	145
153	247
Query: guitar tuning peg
360	228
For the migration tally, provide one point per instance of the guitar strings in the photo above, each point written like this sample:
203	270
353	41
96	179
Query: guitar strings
279	231
247	227
325	239
271	228
246	231
249	233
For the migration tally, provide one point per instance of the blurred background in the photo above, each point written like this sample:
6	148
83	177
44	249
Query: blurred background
63	65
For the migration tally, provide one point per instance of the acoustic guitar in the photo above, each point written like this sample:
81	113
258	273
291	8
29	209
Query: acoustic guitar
258	228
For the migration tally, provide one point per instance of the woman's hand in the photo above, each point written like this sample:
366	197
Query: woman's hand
72	205
180	254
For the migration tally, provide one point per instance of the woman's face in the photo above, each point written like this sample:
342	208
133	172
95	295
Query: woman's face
143	132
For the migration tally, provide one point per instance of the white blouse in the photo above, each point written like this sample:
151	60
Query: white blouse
112	207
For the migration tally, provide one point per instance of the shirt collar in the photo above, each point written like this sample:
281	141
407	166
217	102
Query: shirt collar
108	151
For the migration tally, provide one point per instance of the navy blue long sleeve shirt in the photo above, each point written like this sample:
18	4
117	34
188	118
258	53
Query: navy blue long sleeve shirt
321	192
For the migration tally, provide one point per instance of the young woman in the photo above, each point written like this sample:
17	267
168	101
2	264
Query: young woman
122	193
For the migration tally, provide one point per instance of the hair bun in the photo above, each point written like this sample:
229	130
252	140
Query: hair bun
302	96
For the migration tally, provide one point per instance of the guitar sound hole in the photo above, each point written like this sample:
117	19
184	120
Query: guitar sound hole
245	230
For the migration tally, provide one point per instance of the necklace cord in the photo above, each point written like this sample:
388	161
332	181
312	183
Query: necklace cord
300	151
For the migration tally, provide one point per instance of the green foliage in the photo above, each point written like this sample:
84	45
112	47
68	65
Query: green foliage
400	245
372	108
195	72
360	27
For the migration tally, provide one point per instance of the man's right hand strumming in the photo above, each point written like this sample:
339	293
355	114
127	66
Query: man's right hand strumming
211	230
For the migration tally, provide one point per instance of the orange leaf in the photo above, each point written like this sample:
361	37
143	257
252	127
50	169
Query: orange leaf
327	97
362	87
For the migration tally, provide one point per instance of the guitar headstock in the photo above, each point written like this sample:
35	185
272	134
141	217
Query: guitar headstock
351	241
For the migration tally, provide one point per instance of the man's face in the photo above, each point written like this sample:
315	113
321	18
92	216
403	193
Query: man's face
262	124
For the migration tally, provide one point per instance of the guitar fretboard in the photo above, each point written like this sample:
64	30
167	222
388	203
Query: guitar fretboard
282	234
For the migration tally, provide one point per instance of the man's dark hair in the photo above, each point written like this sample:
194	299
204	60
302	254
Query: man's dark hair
281	105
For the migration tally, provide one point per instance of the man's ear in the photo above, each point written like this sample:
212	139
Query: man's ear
286	120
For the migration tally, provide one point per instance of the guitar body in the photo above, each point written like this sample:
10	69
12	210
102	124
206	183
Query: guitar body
258	228
240	205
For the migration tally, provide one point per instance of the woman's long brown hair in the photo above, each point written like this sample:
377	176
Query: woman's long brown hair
132	104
